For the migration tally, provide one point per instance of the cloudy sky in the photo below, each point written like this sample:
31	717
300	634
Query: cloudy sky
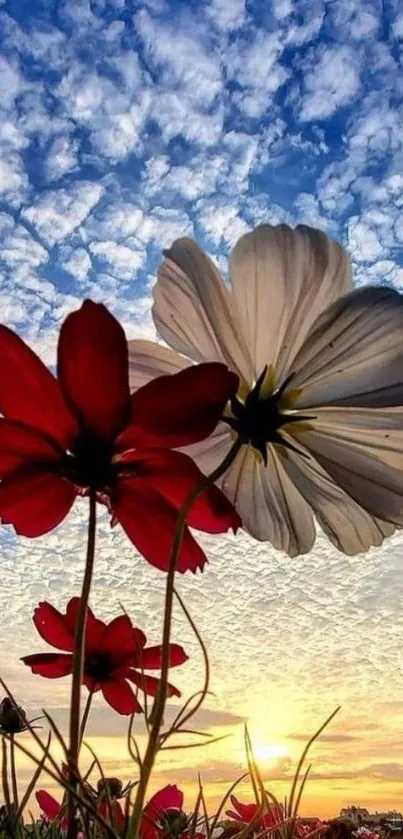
123	125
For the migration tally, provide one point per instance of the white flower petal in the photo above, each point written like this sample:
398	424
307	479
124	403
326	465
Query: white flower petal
283	279
350	528
269	504
354	356
148	360
362	450
194	311
209	453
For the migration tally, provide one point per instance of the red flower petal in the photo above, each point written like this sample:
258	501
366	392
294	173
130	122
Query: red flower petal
168	798
93	369
49	665
112	813
175	475
120	696
29	392
51	626
244	812
172	411
149	684
122	640
151	657
94	627
49	806
21	445
149	521
35	503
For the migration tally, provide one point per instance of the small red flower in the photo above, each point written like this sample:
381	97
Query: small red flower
112	812
246	813
82	432
115	654
163	817
51	810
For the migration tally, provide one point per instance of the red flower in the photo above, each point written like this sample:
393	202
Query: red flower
82	432
115	654
112	812
51	810
246	813
163	816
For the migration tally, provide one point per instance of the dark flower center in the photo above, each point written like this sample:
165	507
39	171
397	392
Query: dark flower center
259	418
98	665
89	464
173	822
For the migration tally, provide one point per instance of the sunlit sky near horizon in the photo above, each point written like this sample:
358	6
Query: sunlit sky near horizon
123	125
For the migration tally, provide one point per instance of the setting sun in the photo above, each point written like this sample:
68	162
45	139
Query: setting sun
267	752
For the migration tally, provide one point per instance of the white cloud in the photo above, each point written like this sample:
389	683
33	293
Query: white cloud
222	223
77	262
116	221
181	58
331	79
57	213
355	19
363	240
255	66
397	27
11	83
385	270
227	14
176	115
13	179
282	8
308	31
113	116
19	249
61	158
199	178
120	260
134	227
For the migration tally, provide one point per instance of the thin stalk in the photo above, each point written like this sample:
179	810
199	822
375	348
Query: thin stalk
86	715
31	786
78	666
13	773
4	773
301	761
159	707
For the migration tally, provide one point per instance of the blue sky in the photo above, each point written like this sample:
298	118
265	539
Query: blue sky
124	125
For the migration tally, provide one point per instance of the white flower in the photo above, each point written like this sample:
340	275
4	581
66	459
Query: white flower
320	405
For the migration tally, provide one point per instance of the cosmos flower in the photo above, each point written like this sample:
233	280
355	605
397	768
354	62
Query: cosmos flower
163	816
246	813
51	810
82	432
320	405
115	654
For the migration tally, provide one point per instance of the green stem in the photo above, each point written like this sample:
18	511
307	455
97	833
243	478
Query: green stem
159	706
78	667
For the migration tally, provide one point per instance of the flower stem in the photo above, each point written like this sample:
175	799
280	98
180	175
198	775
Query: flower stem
159	706
78	666
86	715
13	772
4	777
